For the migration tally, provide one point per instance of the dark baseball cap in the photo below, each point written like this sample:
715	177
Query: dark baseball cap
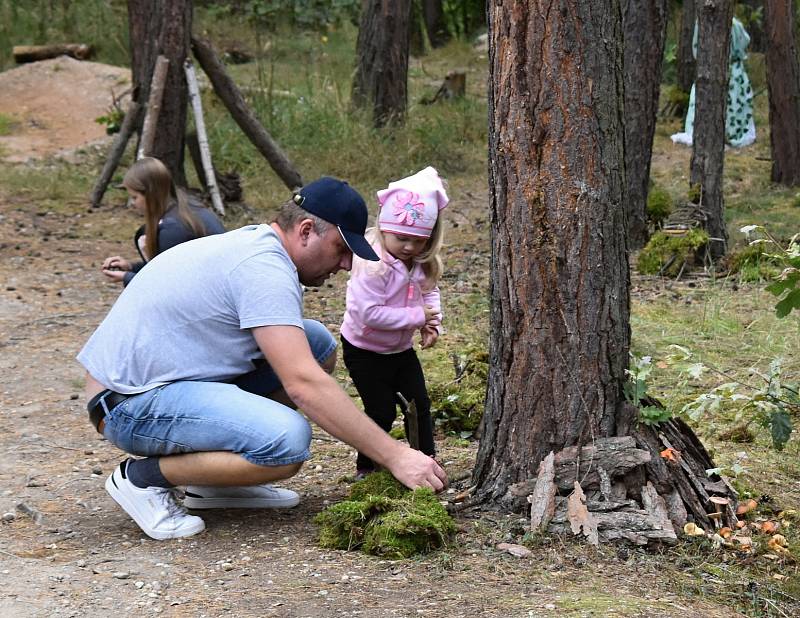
336	202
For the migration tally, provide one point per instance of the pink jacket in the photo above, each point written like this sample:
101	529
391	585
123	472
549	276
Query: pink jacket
385	304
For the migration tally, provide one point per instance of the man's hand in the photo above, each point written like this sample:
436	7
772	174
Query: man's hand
416	469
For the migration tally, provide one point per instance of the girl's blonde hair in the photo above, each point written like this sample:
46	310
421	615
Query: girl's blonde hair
430	259
151	178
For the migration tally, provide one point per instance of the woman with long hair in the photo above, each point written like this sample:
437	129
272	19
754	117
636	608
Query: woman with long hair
169	217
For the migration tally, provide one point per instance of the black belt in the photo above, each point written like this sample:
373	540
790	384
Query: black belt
101	404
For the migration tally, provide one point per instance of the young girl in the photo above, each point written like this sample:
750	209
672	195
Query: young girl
169	219
389	300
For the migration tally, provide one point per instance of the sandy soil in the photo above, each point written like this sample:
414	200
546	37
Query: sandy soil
53	105
67	550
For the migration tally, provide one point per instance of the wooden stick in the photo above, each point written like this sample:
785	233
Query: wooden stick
153	107
232	98
115	154
202	137
412	421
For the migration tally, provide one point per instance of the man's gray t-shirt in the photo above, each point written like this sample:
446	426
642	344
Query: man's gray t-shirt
187	314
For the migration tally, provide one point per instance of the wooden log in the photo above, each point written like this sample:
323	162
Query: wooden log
202	139
234	101
454	86
543	498
34	53
115	154
153	108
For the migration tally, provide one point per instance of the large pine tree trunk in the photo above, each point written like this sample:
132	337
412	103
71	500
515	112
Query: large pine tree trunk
685	56
381	80
560	316
560	307
645	25
708	151
163	28
783	80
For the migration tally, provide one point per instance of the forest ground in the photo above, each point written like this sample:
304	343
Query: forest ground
66	549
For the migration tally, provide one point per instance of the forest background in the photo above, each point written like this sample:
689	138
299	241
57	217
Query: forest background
298	81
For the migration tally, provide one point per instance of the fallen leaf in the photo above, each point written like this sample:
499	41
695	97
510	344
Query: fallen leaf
740	524
778	544
778	576
670	454
520	551
692	529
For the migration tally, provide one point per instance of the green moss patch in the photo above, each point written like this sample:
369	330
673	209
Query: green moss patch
670	254
659	205
383	518
457	406
751	264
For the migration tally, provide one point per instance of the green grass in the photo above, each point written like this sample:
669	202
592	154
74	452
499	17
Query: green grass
6	124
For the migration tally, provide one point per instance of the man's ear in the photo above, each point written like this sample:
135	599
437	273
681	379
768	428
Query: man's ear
304	229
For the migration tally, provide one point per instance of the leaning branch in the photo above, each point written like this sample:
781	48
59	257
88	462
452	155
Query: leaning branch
232	98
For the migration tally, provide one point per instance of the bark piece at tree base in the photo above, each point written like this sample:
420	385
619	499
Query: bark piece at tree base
633	492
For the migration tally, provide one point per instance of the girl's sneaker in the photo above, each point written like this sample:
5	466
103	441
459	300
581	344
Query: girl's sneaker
362	473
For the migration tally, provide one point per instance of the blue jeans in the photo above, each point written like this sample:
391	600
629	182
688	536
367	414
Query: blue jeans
191	417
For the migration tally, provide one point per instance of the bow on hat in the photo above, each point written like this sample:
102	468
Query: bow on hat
410	206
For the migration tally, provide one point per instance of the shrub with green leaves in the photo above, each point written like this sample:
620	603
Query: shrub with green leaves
786	286
669	254
383	518
635	390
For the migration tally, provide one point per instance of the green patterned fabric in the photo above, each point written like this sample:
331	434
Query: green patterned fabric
740	129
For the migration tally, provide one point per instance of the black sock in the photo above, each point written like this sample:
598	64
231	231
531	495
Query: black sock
145	473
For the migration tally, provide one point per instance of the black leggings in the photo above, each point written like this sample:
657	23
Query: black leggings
378	377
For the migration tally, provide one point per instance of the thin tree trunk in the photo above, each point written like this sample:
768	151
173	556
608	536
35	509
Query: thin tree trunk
163	28
645	24
129	123
381	79
433	14
153	108
559	285
783	81
708	151
686	61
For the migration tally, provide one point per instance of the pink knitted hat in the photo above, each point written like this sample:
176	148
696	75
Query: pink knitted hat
411	205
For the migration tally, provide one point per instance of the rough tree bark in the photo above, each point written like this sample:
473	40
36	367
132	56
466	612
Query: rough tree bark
708	149
783	81
163	28
560	313
645	26
685	56
560	309
381	79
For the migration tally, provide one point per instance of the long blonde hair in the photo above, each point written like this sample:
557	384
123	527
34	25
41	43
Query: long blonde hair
151	178
430	259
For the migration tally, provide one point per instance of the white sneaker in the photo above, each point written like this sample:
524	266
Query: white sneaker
252	497
155	509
